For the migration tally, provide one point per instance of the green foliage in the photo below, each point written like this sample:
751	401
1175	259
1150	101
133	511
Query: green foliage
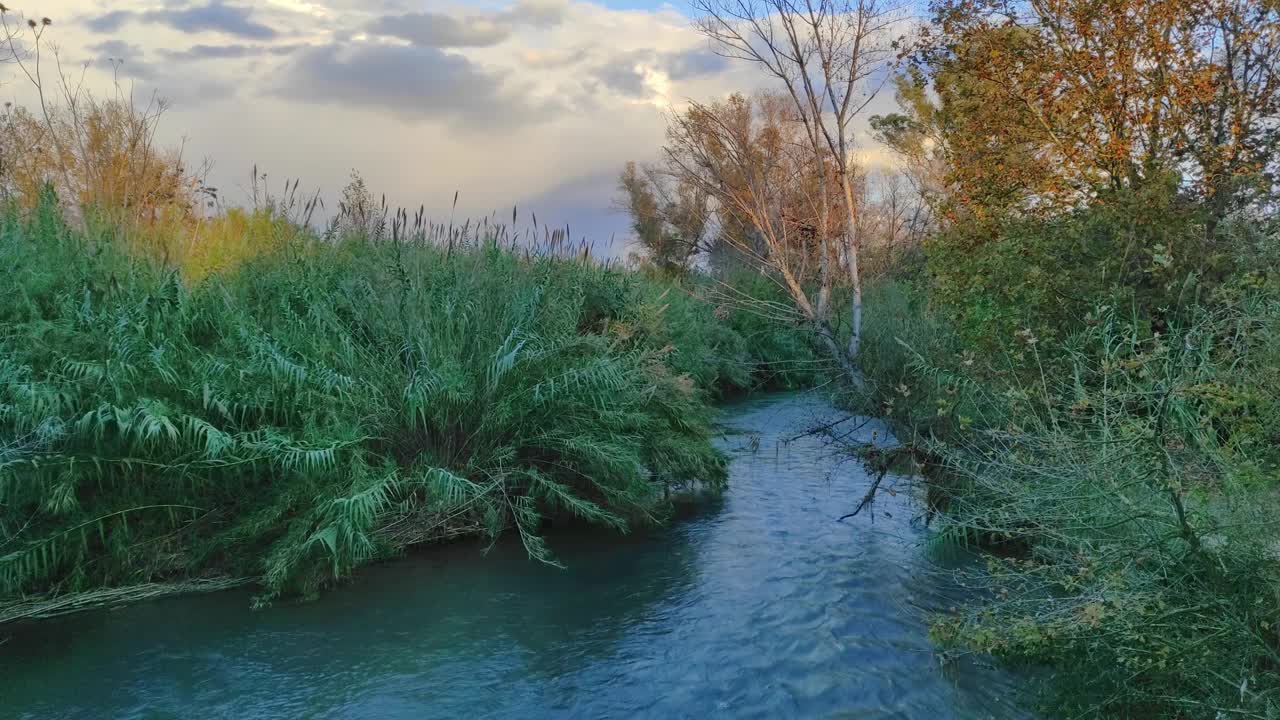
719	341
1117	454
325	404
1089	357
1143	248
1139	492
900	329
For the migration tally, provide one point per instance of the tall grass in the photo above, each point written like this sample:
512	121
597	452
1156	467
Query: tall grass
315	404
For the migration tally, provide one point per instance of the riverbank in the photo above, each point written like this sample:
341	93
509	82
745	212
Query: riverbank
319	403
1125	477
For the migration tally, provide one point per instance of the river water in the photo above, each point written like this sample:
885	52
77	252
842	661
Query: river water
758	604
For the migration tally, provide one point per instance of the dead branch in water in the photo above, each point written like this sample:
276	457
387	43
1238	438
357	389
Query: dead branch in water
866	499
47	607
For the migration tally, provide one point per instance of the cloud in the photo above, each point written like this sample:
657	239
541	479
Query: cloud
116	50
624	77
544	59
537	13
213	17
632	74
695	62
411	81
440	30
110	22
577	86
437	30
128	64
226	52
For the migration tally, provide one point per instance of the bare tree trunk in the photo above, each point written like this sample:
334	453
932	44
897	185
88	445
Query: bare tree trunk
841	355
818	319
851	259
824	258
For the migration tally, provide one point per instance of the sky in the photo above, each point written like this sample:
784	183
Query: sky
532	103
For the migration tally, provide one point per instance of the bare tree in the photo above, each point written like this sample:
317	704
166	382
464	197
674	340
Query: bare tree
771	199
830	56
896	217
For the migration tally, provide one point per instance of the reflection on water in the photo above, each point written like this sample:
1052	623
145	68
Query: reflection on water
758	605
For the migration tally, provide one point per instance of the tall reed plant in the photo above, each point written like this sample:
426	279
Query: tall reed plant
326	402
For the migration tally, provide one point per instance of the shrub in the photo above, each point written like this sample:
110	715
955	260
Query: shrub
1136	497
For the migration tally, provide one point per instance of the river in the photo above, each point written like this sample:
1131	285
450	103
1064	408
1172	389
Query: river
757	604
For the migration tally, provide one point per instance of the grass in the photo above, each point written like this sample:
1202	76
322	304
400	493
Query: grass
291	411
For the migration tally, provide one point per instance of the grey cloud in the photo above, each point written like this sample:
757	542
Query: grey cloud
622	77
693	63
538	13
622	73
227	52
158	80
122	59
413	82
589	203
117	49
183	93
110	22
440	31
128	62
215	16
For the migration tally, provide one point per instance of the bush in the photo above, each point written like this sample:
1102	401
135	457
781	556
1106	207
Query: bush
102	159
1135	497
1129	249
1117	457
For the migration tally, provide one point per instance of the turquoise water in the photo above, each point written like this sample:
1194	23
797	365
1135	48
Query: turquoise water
757	604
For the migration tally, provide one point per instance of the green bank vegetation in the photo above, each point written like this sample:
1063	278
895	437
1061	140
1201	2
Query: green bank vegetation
1087	347
1124	474
333	400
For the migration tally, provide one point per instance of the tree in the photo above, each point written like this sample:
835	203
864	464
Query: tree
1047	103
753	159
893	219
1234	129
1086	149
827	55
917	136
670	215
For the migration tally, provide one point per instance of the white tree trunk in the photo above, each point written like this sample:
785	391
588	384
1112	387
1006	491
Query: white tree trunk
851	258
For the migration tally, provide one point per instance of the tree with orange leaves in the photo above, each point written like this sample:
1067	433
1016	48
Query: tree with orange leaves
1046	103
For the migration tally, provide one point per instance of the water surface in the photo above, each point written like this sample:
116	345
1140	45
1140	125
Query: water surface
758	605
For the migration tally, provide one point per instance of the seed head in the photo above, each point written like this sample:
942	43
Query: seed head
46	22
32	24
3	9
